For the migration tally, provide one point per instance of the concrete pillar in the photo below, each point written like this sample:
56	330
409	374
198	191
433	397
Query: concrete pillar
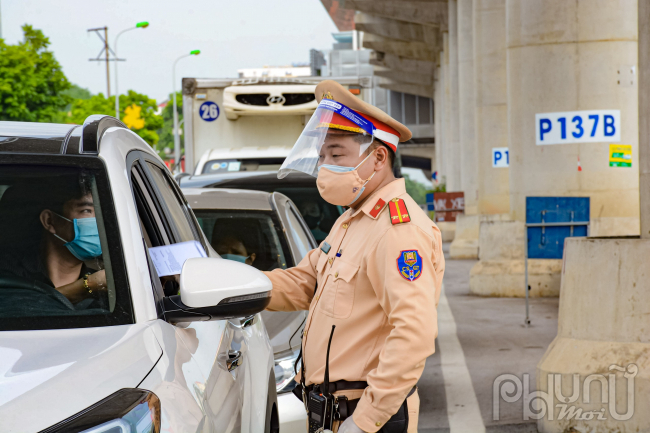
446	112
603	322
568	56
438	120
605	305
451	104
500	271
465	244
447	229
491	104
644	113
467	106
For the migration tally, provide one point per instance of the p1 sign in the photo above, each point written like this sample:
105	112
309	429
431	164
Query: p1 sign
500	157
593	126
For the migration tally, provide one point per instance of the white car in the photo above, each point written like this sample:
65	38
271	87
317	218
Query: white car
92	338
234	160
266	231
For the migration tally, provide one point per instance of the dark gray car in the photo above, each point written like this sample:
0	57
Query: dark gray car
266	231
319	215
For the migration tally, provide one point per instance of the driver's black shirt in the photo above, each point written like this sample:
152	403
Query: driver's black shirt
30	266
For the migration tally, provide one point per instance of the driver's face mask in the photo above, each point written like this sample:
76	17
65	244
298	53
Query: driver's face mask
235	257
86	244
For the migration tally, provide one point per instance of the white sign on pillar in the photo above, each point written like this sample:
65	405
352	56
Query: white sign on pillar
592	126
500	157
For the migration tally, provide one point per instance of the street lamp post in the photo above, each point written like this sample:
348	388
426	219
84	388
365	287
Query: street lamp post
177	139
140	25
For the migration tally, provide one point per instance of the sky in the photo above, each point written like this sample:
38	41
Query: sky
231	35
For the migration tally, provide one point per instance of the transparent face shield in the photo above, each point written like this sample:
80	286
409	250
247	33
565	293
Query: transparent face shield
335	135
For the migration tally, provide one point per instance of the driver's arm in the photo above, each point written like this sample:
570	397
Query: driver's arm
75	292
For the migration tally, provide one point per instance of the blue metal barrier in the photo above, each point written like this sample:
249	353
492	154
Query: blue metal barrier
430	201
549	221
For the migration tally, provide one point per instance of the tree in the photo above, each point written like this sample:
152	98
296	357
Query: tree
76	92
416	190
166	133
32	83
137	111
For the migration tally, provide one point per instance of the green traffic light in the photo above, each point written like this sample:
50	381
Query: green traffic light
143	25
195	52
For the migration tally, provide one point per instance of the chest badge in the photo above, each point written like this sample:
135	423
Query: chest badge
409	264
398	212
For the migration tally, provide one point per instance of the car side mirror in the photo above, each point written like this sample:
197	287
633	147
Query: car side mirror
217	289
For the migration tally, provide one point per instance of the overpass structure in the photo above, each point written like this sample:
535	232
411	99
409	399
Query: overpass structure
562	86
493	67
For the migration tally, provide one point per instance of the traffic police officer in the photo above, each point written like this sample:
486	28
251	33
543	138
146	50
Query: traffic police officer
377	276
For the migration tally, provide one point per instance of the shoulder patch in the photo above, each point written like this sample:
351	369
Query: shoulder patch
377	208
409	264
398	212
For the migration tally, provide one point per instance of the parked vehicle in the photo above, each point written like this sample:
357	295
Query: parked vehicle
129	349
300	188
266	231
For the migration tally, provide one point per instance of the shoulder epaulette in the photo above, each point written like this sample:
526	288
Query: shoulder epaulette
398	212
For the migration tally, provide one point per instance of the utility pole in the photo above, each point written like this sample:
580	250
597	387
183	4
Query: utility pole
140	25
107	51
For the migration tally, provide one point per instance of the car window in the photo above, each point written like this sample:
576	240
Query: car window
182	227
253	237
297	232
53	237
153	229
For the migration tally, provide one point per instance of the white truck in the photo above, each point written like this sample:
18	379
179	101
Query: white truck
249	124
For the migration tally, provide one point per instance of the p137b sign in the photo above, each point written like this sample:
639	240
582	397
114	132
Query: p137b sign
578	127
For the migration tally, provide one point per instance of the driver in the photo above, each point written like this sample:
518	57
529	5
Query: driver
69	238
232	248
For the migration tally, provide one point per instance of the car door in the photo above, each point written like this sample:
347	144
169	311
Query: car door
300	241
221	351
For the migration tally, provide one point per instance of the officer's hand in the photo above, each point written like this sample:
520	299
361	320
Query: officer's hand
349	426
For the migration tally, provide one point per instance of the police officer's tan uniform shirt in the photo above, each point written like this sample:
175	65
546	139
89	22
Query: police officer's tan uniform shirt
386	323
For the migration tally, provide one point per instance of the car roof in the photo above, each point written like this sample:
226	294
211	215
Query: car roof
31	137
218	198
51	138
248	180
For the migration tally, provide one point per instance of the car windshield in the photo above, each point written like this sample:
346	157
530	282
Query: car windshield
247	164
54	268
251	237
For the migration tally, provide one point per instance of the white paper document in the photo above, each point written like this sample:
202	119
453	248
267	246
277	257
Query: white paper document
169	259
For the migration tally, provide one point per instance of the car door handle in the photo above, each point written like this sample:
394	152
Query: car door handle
247	321
234	359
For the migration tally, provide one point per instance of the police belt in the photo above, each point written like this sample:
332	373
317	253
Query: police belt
346	407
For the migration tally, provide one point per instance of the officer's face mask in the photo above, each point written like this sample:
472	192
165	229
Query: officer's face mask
86	244
235	257
341	186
